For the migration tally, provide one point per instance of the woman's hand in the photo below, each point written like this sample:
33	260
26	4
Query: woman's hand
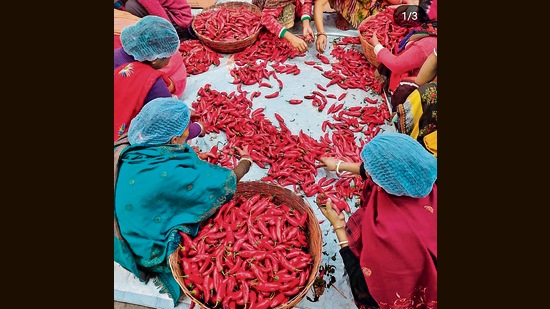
332	216
308	32
243	152
298	44
379	78
374	39
321	43
242	169
202	155
203	132
329	163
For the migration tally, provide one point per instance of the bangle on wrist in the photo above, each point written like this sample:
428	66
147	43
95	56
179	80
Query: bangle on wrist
345	242
338	167
337	227
321	33
246	159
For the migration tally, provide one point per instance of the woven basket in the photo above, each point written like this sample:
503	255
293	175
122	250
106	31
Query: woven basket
287	16
280	195
368	49
229	47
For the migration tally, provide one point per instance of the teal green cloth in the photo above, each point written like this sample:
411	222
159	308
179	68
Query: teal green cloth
161	190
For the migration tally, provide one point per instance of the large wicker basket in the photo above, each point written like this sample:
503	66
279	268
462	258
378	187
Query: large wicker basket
229	47
280	195
368	49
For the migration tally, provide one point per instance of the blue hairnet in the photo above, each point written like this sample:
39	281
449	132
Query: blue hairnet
400	165
151	38
159	121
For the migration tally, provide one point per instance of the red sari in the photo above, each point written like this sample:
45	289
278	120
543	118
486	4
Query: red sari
395	238
132	83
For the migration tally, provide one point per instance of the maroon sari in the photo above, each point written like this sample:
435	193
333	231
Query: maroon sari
395	238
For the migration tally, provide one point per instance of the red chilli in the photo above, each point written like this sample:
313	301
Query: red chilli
371	101
342	96
272	95
321	87
295	101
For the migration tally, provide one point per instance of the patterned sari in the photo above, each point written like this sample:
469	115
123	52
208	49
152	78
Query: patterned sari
354	11
417	116
159	191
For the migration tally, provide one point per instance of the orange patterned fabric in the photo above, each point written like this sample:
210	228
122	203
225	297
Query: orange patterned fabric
354	11
271	4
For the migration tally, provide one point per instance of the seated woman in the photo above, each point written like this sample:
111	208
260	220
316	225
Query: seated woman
146	48
417	116
161	188
349	13
273	9
175	69
398	70
389	244
177	12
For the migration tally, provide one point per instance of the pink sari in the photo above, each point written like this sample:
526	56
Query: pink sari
395	238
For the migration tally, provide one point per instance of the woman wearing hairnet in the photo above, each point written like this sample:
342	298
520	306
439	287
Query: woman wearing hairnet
146	48
175	70
162	187
389	244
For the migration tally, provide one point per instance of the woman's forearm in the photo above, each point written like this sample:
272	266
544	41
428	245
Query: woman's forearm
351	167
411	58
242	168
318	15
428	71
